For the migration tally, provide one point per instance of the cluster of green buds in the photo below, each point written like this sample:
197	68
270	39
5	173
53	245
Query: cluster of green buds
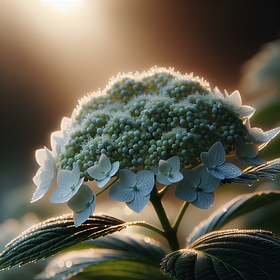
144	127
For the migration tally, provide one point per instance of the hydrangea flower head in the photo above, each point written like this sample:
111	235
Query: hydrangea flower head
160	122
247	153
83	204
68	183
143	119
216	165
133	189
103	172
197	187
168	171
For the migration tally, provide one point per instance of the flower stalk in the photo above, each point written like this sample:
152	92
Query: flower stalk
168	232
180	216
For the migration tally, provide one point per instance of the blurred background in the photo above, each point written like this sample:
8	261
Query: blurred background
54	52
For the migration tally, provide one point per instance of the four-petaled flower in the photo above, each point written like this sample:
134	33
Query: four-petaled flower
103	172
133	189
244	111
58	137
197	187
83	204
46	173
68	183
168	171
258	136
215	162
247	153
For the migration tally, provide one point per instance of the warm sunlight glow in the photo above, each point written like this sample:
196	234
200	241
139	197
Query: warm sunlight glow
64	6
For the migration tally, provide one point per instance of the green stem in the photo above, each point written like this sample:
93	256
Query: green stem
180	216
103	190
231	156
162	192
169	233
149	226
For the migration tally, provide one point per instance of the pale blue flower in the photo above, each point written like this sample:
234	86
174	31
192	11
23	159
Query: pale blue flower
133	189
45	175
46	159
235	98
215	162
103	172
83	204
58	137
243	110
247	153
258	136
168	171
68	183
197	187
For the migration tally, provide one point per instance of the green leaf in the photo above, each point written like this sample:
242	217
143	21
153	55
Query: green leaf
120	270
73	262
251	174
233	209
54	235
144	247
227	254
118	247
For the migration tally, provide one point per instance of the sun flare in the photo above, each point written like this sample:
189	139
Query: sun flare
63	6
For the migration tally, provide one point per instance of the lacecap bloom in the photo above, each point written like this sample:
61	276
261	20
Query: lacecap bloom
44	177
244	111
159	121
47	160
133	189
103	171
257	136
168	171
83	204
216	165
68	183
197	187
247	153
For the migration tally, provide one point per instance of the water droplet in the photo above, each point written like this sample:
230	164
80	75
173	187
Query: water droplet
224	210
